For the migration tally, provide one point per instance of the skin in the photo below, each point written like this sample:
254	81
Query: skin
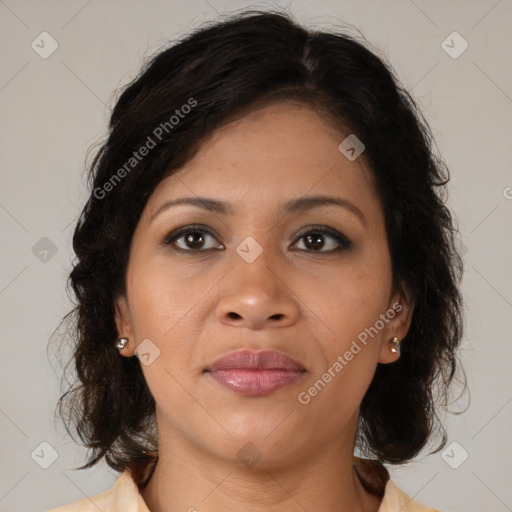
197	307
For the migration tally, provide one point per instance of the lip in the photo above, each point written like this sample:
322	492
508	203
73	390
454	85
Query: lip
256	360
256	373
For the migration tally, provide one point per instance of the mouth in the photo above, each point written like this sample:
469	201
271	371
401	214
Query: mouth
256	373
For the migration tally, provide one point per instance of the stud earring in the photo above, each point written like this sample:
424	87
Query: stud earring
394	345
121	343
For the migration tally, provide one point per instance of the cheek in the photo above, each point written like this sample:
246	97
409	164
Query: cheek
160	297
166	307
348	300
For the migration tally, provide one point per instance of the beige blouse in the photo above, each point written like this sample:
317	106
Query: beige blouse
124	496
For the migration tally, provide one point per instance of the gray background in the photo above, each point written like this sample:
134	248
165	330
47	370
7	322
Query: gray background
54	108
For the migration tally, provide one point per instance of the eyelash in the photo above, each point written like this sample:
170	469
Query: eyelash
344	242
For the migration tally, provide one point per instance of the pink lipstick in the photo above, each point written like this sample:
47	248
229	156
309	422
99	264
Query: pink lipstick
256	373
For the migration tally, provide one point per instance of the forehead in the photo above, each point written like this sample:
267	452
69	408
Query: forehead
270	155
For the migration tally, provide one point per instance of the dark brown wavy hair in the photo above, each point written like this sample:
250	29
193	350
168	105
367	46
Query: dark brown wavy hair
226	69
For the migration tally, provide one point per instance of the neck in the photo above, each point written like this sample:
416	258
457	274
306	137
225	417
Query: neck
185	478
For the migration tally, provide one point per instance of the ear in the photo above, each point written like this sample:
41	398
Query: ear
124	325
400	309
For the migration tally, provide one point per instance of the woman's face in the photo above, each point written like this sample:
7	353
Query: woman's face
260	276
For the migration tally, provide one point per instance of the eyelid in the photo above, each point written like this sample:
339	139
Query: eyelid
321	228
182	230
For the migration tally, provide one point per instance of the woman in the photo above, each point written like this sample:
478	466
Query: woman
266	234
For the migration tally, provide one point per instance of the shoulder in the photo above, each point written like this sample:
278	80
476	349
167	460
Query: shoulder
124	496
376	479
395	499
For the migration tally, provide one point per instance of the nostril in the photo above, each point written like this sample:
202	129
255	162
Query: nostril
234	315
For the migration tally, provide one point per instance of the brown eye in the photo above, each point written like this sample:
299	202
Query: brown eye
191	239
200	239
318	239
194	239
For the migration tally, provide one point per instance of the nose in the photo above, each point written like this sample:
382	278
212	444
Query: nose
256	296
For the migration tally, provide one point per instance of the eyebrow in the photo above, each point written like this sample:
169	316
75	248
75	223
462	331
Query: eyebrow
294	205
